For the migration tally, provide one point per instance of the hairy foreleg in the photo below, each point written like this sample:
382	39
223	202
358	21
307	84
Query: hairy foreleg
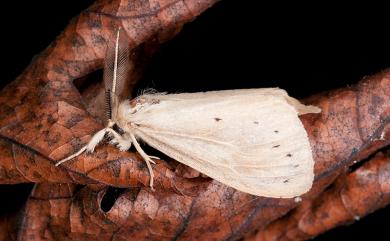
89	148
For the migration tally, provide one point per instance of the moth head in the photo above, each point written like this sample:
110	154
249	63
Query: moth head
122	116
115	127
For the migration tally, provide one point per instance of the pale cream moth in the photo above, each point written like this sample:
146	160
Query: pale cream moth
249	139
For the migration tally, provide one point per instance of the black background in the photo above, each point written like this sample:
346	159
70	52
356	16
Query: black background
304	49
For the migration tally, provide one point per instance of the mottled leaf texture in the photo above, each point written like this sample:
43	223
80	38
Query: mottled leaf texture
43	119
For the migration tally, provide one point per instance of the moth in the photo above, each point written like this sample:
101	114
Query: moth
249	139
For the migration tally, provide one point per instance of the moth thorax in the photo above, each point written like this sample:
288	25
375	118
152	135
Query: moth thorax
136	104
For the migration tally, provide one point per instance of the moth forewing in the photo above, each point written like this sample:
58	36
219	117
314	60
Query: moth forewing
251	140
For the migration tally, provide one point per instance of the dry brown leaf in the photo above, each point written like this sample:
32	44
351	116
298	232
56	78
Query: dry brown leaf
43	118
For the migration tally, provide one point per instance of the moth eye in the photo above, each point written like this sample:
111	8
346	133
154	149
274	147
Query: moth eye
118	129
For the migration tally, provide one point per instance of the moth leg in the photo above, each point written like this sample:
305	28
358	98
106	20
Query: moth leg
155	157
95	140
146	158
122	142
89	148
71	156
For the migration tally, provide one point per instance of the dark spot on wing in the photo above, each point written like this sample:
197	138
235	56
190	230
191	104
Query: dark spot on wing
217	119
276	131
289	155
285	181
276	146
295	166
256	122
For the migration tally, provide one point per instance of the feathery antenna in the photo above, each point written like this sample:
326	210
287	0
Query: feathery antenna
116	60
110	92
116	72
108	104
